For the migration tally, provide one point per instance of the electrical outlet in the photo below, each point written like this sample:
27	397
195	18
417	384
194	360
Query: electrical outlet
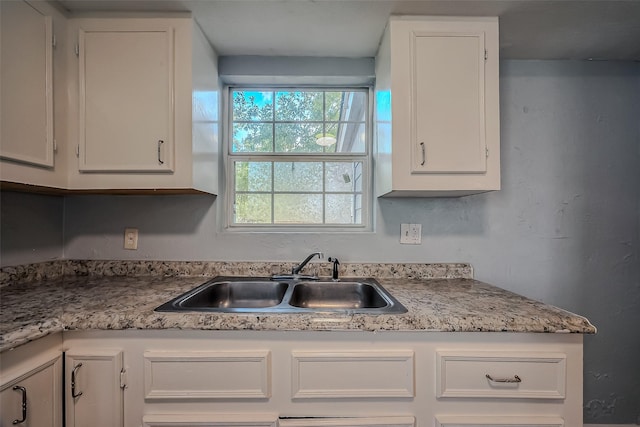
411	234
131	238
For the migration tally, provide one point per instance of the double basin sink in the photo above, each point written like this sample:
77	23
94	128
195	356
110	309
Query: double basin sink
263	295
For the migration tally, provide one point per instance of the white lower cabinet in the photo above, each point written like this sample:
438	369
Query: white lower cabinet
94	384
31	384
332	379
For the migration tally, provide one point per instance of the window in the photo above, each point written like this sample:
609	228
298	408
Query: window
298	158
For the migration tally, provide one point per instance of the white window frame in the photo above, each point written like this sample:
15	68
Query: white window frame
229	158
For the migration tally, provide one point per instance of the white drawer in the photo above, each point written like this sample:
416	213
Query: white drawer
484	421
207	374
354	374
520	375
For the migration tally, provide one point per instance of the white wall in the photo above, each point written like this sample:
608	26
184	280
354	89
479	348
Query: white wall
565	229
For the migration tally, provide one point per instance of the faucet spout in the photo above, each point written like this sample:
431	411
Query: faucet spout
297	269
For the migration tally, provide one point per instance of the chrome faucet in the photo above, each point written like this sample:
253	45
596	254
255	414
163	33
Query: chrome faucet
298	268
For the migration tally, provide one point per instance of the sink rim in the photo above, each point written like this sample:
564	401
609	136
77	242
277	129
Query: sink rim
284	307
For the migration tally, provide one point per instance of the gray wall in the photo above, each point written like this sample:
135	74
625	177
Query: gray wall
565	228
30	228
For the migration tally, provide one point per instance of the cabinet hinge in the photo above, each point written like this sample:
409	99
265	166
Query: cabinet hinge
78	150
123	378
77	49
486	54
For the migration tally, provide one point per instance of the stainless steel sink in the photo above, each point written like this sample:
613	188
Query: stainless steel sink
261	295
336	295
232	294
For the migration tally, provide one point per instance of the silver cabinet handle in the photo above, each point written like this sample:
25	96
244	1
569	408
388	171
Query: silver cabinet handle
515	379
24	404
424	155
74	373
160	142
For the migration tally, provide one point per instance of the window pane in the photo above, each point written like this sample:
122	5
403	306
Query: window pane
299	106
358	206
298	138
253	176
252	138
351	138
346	106
252	209
298	176
252	106
341	176
339	208
298	209
333	105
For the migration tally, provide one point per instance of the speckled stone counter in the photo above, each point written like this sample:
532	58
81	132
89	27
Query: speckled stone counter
440	297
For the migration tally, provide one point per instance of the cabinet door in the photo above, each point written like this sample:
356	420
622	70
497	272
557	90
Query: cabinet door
26	112
448	120
126	99
34	399
94	391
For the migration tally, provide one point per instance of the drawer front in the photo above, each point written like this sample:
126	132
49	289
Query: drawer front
520	375
207	375
210	420
484	421
354	374
348	422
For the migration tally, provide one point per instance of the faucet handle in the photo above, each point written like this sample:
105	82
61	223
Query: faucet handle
334	270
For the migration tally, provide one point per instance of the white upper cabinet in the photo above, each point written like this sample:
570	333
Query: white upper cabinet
32	86
126	97
142	83
437	107
26	119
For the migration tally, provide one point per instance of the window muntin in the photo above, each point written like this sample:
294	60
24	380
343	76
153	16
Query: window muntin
299	157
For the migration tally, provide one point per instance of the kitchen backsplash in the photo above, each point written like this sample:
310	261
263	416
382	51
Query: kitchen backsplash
55	269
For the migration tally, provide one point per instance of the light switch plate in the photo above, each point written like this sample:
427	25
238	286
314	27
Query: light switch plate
411	234
131	238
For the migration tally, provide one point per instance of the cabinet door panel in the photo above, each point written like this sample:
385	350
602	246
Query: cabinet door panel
26	113
42	393
93	393
448	83
126	100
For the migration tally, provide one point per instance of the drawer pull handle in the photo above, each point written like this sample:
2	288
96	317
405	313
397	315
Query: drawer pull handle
24	404
74	374
424	159
515	379
160	142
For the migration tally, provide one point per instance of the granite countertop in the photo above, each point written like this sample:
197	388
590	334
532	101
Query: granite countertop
34	309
